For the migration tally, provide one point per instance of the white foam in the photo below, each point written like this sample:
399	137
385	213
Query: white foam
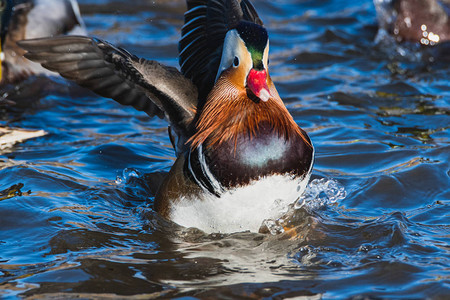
240	209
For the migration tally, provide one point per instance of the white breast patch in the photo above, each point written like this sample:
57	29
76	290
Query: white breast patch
240	209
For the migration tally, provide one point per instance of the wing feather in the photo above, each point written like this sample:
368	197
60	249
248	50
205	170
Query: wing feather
115	73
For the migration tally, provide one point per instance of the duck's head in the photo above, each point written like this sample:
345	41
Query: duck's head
245	60
244	99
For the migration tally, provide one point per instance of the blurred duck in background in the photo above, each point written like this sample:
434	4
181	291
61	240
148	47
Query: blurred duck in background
25	19
426	22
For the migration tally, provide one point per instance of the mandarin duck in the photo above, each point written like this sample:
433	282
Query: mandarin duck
241	157
27	19
425	22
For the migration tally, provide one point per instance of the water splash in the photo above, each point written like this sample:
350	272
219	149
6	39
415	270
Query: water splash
274	226
318	193
321	192
127	175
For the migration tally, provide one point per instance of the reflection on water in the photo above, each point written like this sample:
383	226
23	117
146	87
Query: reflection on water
76	216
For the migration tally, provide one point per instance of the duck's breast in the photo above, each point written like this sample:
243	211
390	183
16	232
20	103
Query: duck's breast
265	153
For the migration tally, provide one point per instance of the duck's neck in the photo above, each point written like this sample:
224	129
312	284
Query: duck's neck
229	113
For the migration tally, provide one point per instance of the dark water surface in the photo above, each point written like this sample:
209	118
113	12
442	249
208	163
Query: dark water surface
75	211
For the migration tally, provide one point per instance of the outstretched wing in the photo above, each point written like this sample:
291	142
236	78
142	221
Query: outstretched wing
115	73
206	24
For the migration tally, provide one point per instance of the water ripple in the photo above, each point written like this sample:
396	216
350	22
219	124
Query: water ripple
76	217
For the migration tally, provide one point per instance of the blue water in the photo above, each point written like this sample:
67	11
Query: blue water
75	211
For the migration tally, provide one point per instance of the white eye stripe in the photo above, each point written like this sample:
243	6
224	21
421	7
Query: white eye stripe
236	55
229	51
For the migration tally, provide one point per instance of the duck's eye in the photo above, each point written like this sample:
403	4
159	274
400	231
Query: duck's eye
236	61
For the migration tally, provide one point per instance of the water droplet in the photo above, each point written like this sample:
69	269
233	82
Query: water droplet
127	175
321	192
273	226
364	248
